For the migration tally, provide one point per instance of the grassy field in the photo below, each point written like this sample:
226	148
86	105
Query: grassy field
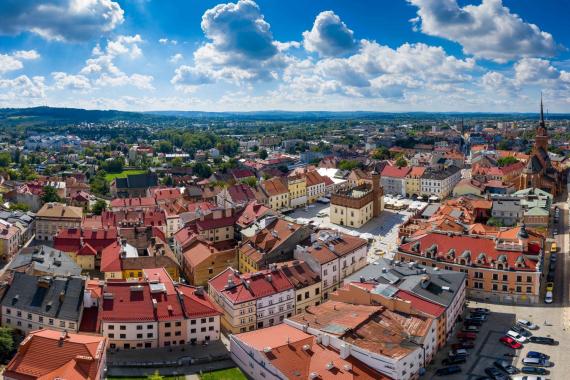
224	374
145	378
111	176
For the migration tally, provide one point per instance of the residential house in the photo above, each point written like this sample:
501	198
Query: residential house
334	256
507	210
133	185
307	284
316	186
297	186
50	354
277	193
440	183
413	181
36	302
393	179
203	259
55	216
43	261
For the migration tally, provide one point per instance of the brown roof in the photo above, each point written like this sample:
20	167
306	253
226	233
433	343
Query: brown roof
314	178
275	186
341	244
59	210
299	274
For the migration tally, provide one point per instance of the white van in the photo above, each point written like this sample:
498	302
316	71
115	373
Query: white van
548	297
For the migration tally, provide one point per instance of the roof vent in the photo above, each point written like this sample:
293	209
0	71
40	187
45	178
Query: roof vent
313	375
267	349
108	296
136	288
348	367
306	347
446	288
330	365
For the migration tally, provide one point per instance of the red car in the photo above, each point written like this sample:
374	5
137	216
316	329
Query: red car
466	335
464	345
510	342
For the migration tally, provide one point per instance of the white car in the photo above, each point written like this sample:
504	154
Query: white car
528	377
527	324
518	337
548	297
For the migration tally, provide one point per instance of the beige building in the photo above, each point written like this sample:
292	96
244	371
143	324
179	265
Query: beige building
355	206
307	284
413	181
55	216
9	239
277	193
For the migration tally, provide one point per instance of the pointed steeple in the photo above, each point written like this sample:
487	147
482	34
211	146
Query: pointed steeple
542	124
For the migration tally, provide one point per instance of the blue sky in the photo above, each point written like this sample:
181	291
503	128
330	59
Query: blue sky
392	55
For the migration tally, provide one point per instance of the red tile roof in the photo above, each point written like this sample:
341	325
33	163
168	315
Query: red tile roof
250	286
133	202
197	304
126	304
427	307
241	193
43	355
111	258
252	212
395	172
69	239
475	245
164	194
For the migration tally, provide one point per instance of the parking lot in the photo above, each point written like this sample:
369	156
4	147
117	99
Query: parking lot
384	228
488	348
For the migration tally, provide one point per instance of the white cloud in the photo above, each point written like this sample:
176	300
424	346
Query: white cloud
64	81
242	46
330	37
70	20
139	81
188	78
9	63
125	45
26	54
533	70
176	58
24	87
166	41
488	30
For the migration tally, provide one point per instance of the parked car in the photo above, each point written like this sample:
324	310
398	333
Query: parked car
465	345
481	310
535	370
550	277
506	366
543	340
548	297
478	316
459	352
516	336
536	354
454	360
520	330
525	377
550	286
495	374
470	328
466	335
536	362
553	256
527	324
448	370
510	342
469	322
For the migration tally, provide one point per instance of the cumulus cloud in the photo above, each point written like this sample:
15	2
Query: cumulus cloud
9	63
166	41
24	87
533	70
330	37
125	45
139	81
488	30
241	46
64	81
187	78
26	54
69	20
176	58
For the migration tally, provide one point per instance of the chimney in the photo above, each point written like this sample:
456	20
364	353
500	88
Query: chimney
269	278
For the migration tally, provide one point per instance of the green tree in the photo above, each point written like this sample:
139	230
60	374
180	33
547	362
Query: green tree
115	165
99	207
99	184
347	164
251	181
401	162
202	170
505	161
19	206
155	376
50	194
263	154
165	147
177	162
6	342
381	153
5	159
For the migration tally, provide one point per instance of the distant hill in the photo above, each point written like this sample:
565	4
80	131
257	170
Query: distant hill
38	116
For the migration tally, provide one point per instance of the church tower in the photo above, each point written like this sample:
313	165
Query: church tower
541	138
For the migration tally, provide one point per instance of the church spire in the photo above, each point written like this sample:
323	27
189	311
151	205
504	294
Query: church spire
542	124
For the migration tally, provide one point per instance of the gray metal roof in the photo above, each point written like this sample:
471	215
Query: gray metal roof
423	281
46	260
53	297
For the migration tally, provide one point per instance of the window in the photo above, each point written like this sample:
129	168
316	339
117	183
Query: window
211	328
167	334
203	329
528	279
8	311
29	315
505	288
178	324
193	322
505	277
529	289
123	336
299	296
150	335
139	336
211	319
495	277
61	323
50	321
203	320
177	333
122	327
139	327
111	336
519	289
111	327
167	324
149	327
193	331
519	278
